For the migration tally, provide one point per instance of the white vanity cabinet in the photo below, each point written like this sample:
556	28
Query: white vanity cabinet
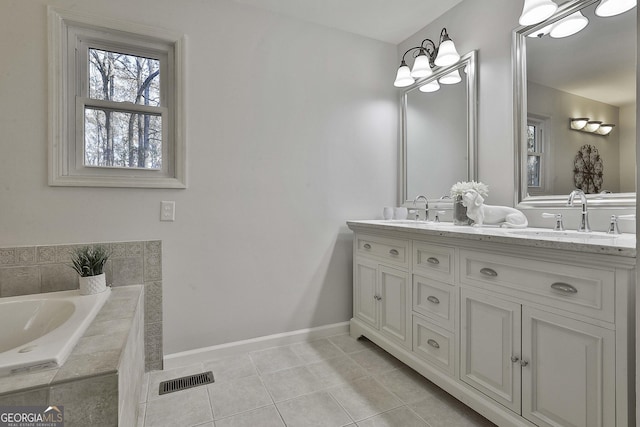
382	288
527	336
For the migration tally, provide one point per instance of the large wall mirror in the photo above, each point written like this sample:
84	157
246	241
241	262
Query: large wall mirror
439	131
590	74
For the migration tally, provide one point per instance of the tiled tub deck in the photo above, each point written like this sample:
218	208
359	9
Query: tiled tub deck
100	382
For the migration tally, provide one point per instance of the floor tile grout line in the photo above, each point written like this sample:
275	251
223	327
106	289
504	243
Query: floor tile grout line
341	407
213	416
280	415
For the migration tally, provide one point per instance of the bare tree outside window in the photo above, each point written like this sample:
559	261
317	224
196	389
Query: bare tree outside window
116	137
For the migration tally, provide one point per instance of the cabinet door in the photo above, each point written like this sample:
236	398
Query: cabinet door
490	338
570	377
395	304
365	306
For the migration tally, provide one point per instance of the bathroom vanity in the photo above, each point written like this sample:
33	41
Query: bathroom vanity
527	327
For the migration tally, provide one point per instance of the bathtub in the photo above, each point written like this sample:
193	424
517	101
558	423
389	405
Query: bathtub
39	331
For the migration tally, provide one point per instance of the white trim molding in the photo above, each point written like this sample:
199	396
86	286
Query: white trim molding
198	355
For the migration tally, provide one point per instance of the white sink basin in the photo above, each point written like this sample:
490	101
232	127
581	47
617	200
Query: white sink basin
563	234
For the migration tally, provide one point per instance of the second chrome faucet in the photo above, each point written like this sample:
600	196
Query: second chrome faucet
426	206
584	217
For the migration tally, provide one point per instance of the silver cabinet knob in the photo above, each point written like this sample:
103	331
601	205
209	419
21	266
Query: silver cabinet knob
523	363
367	246
433	260
433	343
394	252
515	359
433	300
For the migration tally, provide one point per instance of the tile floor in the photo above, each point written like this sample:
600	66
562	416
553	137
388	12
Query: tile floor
332	382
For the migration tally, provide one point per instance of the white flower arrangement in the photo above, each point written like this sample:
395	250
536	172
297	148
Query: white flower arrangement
459	188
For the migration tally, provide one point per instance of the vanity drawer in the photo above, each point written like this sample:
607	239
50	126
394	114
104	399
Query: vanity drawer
434	260
434	300
580	290
433	344
386	249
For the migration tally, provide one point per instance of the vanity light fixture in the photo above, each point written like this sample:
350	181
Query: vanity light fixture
614	7
536	11
596	127
429	55
569	25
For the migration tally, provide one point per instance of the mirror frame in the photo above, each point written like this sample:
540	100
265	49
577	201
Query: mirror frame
470	61
519	67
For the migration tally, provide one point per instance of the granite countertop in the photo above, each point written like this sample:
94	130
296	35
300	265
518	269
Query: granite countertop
97	352
594	242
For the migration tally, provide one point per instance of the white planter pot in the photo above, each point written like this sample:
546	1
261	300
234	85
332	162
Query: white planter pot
92	284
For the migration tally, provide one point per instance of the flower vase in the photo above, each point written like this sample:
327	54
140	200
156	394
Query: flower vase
460	212
92	284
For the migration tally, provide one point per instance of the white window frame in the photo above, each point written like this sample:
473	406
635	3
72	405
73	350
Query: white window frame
70	36
543	125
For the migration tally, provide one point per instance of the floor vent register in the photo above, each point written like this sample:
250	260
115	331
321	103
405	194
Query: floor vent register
184	383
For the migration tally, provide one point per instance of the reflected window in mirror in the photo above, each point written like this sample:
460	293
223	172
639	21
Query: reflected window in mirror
591	74
537	155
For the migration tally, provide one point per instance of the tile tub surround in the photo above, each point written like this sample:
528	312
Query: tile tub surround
40	269
103	375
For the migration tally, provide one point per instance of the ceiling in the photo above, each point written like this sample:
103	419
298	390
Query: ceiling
391	21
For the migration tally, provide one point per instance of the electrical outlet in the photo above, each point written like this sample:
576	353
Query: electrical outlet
167	211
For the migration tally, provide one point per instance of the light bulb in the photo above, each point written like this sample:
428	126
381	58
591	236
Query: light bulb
421	67
451	78
614	7
403	78
536	11
605	129
592	125
569	25
447	53
430	87
579	123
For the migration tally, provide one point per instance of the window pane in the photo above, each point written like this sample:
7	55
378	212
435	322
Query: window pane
118	77
533	171
532	143
122	139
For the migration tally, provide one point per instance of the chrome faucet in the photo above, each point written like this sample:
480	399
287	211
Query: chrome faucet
426	206
584	218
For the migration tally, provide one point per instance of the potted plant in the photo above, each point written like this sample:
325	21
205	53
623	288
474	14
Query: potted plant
457	190
88	262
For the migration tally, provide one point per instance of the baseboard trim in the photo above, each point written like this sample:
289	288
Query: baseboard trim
185	358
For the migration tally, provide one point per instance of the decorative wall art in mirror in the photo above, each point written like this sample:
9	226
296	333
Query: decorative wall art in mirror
439	130
571	92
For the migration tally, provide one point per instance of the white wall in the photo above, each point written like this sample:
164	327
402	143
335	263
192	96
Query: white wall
486	26
287	137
